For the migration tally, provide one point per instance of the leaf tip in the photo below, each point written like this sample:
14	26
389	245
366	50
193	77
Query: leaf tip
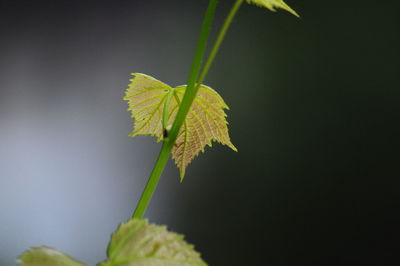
233	148
273	4
294	13
230	145
182	174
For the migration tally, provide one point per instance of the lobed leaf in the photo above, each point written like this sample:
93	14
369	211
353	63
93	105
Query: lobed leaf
146	97
273	4
138	243
204	123
46	256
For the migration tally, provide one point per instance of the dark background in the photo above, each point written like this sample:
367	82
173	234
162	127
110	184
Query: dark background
314	113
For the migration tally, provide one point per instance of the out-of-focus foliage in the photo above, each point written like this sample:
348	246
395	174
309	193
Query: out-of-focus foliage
45	256
138	243
273	4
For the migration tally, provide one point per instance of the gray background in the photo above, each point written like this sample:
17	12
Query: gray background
314	108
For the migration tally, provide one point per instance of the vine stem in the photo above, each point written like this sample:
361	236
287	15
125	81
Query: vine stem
170	141
218	42
190	93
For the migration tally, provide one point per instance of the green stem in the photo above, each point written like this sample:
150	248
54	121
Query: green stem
193	87
169	142
153	181
190	94
218	42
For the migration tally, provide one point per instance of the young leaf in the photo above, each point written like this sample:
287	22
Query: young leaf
273	4
205	122
45	256
137	243
146	97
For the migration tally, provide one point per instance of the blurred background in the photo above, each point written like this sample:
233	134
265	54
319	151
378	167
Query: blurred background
314	113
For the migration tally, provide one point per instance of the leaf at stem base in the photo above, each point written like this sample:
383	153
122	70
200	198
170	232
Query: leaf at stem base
138	243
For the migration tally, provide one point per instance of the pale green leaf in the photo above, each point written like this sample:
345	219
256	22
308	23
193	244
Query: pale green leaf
138	243
205	122
273	4
146	97
46	256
